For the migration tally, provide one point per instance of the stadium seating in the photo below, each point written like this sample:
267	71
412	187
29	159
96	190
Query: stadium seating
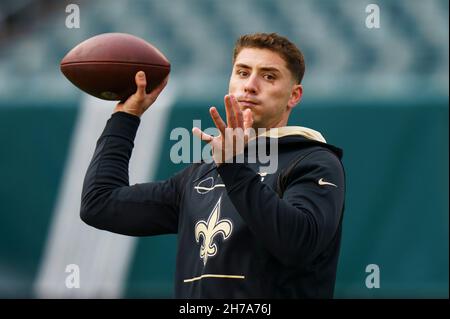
408	51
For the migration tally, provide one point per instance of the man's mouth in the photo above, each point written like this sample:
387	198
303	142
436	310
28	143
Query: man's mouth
247	103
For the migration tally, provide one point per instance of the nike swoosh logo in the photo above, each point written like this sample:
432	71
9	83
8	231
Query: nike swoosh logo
322	182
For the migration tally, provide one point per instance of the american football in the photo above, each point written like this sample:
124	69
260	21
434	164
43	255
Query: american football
105	65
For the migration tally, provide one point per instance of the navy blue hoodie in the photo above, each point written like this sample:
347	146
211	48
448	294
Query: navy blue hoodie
242	232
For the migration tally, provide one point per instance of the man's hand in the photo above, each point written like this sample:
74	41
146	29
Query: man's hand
140	101
233	136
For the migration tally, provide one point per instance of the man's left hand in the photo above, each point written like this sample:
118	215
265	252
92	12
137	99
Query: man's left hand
233	135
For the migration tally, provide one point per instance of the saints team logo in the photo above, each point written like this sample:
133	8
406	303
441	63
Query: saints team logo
209	230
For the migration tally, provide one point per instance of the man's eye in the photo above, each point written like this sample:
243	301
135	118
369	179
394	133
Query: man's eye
242	73
269	77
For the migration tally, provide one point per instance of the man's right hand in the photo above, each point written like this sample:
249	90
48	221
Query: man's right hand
140	101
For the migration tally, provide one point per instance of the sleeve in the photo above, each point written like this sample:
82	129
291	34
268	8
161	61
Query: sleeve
109	203
299	226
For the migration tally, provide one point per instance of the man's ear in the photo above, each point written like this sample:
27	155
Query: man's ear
296	95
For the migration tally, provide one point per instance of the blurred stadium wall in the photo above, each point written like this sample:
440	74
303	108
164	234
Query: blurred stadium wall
380	94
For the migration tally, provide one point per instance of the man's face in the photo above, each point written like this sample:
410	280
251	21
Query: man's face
262	82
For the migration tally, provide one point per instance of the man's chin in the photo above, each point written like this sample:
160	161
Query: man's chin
258	125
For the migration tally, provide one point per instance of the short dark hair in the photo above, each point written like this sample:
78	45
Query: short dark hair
277	43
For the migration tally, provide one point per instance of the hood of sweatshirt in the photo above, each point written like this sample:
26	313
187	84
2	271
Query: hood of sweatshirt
289	136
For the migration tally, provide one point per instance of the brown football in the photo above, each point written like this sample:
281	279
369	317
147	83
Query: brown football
105	65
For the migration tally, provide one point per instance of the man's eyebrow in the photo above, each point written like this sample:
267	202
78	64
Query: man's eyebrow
270	69
242	65
266	68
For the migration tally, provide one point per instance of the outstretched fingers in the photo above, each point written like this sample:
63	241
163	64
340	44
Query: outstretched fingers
231	117
217	119
237	111
202	135
248	119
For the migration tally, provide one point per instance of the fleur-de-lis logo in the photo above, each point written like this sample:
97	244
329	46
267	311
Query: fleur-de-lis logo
208	230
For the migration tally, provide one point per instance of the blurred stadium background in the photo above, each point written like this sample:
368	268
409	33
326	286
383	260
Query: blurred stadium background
381	94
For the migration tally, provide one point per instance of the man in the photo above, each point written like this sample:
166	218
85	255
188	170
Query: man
241	233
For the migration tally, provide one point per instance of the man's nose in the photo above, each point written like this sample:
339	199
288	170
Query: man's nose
251	85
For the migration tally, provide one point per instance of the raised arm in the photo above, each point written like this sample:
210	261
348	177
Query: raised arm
108	201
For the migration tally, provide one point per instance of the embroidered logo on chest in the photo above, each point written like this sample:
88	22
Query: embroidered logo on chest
208	230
